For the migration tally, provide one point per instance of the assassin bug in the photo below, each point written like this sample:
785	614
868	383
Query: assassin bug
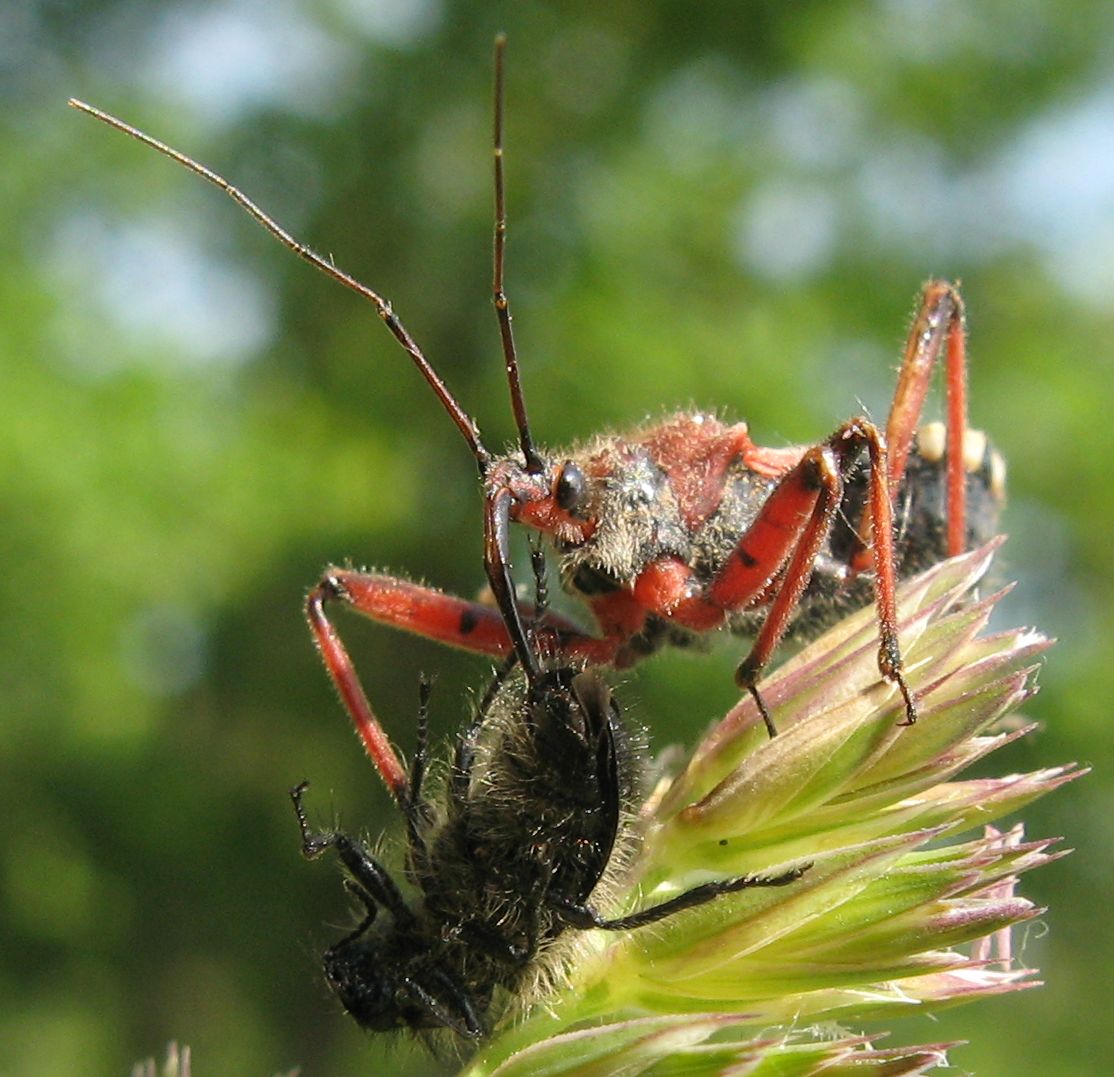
536	824
685	525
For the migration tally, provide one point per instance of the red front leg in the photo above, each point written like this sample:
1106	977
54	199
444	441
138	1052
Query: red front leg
471	626
424	611
347	681
435	615
430	613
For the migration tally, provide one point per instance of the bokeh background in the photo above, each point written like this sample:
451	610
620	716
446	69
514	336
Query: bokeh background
725	205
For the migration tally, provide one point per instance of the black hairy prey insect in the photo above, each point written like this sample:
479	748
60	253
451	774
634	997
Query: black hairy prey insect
528	838
536	818
687	525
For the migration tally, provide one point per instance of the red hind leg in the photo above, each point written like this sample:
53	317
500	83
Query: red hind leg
938	326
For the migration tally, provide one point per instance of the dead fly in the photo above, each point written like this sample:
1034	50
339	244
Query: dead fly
532	832
687	525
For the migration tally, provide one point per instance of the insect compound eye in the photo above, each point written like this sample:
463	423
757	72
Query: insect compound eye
571	489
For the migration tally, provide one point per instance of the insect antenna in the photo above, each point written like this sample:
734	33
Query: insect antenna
463	421
498	502
534	463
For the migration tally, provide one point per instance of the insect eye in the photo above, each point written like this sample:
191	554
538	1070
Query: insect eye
571	488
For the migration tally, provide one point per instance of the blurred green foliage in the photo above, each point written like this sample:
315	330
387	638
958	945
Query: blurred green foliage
723	205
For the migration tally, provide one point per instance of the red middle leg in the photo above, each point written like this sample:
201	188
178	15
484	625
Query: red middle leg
784	542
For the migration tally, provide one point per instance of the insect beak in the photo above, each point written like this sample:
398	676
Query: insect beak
497	563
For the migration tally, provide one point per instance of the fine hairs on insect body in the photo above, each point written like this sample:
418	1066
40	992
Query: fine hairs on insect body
533	828
668	532
532	833
686	525
492	859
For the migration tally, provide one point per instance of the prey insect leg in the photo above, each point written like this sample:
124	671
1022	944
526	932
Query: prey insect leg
368	873
584	916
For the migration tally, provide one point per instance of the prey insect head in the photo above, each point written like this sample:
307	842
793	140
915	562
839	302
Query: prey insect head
355	972
380	997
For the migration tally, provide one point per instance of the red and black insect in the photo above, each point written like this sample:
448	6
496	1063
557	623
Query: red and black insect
686	525
534	828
